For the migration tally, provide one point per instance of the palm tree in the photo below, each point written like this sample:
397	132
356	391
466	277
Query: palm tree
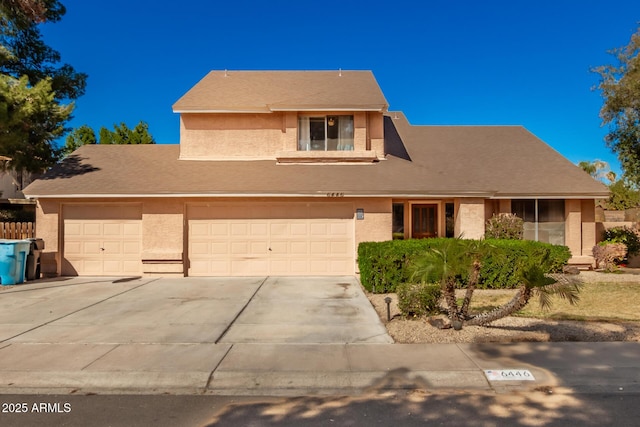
460	261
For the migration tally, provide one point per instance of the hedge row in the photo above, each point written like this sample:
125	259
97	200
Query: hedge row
384	265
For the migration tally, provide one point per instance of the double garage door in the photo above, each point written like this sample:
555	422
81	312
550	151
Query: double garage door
271	239
240	239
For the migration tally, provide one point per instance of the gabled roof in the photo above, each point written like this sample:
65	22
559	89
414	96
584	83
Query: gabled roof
268	91
424	161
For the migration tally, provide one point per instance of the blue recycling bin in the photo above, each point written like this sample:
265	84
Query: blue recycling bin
13	258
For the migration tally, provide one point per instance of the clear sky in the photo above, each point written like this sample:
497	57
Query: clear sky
464	62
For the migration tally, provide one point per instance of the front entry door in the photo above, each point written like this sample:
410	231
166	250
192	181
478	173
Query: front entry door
425	221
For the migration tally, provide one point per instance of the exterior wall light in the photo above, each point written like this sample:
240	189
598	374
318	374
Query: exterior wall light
359	213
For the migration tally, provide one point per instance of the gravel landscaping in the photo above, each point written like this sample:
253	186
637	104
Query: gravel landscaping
509	329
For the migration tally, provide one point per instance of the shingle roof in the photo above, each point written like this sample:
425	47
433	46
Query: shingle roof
266	91
425	161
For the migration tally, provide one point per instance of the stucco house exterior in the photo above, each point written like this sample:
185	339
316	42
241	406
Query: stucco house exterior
286	172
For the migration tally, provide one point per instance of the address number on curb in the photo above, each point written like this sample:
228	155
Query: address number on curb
509	375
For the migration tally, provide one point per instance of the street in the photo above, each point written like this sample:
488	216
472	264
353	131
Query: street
399	408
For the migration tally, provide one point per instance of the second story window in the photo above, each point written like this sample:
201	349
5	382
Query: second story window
325	133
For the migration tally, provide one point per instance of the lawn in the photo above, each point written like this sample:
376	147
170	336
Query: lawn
598	302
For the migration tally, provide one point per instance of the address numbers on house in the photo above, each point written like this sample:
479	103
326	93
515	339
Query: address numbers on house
335	194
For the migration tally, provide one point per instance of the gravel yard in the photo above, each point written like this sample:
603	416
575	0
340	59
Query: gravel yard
510	329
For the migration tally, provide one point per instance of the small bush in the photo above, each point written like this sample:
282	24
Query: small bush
607	255
624	235
504	226
418	299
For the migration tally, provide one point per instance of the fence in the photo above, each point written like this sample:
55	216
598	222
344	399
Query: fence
17	230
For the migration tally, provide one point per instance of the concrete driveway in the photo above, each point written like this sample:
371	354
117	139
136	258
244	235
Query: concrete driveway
292	310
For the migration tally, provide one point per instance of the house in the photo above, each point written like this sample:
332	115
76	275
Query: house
286	172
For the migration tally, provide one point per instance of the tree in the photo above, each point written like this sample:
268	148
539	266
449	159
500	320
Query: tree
461	261
34	86
598	169
30	120
620	88
79	137
121	134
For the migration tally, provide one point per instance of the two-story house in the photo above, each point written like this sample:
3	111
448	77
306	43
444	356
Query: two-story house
286	172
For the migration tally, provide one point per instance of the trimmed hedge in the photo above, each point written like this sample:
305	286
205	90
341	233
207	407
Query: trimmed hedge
383	265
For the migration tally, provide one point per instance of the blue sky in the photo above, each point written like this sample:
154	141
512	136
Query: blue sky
493	62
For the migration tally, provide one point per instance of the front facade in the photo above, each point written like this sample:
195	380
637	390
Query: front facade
285	173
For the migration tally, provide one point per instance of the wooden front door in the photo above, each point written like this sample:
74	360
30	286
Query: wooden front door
424	221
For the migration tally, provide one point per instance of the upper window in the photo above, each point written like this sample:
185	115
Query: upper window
327	133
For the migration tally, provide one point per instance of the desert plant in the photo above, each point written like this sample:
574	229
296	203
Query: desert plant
624	235
608	255
459	258
418	299
504	226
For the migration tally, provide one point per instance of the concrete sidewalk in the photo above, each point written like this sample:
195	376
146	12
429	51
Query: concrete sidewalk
314	369
259	336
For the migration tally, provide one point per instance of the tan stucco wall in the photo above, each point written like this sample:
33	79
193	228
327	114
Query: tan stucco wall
573	226
470	218
376	225
47	220
263	136
589	236
162	231
220	136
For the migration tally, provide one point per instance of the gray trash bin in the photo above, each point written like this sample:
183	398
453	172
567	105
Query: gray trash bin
33	259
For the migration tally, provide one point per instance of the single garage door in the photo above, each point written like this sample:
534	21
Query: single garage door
271	239
102	240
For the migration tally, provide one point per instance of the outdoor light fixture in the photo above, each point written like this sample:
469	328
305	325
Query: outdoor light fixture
387	300
359	213
331	121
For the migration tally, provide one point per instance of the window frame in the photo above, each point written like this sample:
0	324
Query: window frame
326	118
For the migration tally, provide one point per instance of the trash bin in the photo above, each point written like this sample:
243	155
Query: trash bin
13	258
33	259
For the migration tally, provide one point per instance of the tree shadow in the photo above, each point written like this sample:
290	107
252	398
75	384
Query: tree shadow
572	331
71	166
399	399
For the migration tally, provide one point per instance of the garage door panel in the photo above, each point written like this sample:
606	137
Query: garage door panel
91	229
199	229
131	247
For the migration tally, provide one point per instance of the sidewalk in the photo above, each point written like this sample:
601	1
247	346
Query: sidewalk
315	369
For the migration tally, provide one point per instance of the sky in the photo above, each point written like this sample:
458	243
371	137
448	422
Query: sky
441	62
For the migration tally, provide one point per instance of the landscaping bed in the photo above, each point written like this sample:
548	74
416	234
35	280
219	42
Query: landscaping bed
607	313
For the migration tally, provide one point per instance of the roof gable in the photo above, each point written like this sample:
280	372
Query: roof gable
267	91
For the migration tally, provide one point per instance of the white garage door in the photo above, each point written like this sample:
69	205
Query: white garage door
271	239
102	240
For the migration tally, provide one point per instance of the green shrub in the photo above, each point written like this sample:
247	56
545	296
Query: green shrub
418	299
504	226
623	235
384	265
502	268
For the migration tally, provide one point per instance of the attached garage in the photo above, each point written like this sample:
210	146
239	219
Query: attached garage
252	239
102	240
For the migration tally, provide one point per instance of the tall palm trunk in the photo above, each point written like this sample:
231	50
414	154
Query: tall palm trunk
450	298
474	277
519	300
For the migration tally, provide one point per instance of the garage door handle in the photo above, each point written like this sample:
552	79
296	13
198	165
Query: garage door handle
269	249
102	249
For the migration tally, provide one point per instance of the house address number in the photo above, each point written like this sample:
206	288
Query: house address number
335	194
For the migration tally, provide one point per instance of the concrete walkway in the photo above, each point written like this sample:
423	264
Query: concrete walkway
259	336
